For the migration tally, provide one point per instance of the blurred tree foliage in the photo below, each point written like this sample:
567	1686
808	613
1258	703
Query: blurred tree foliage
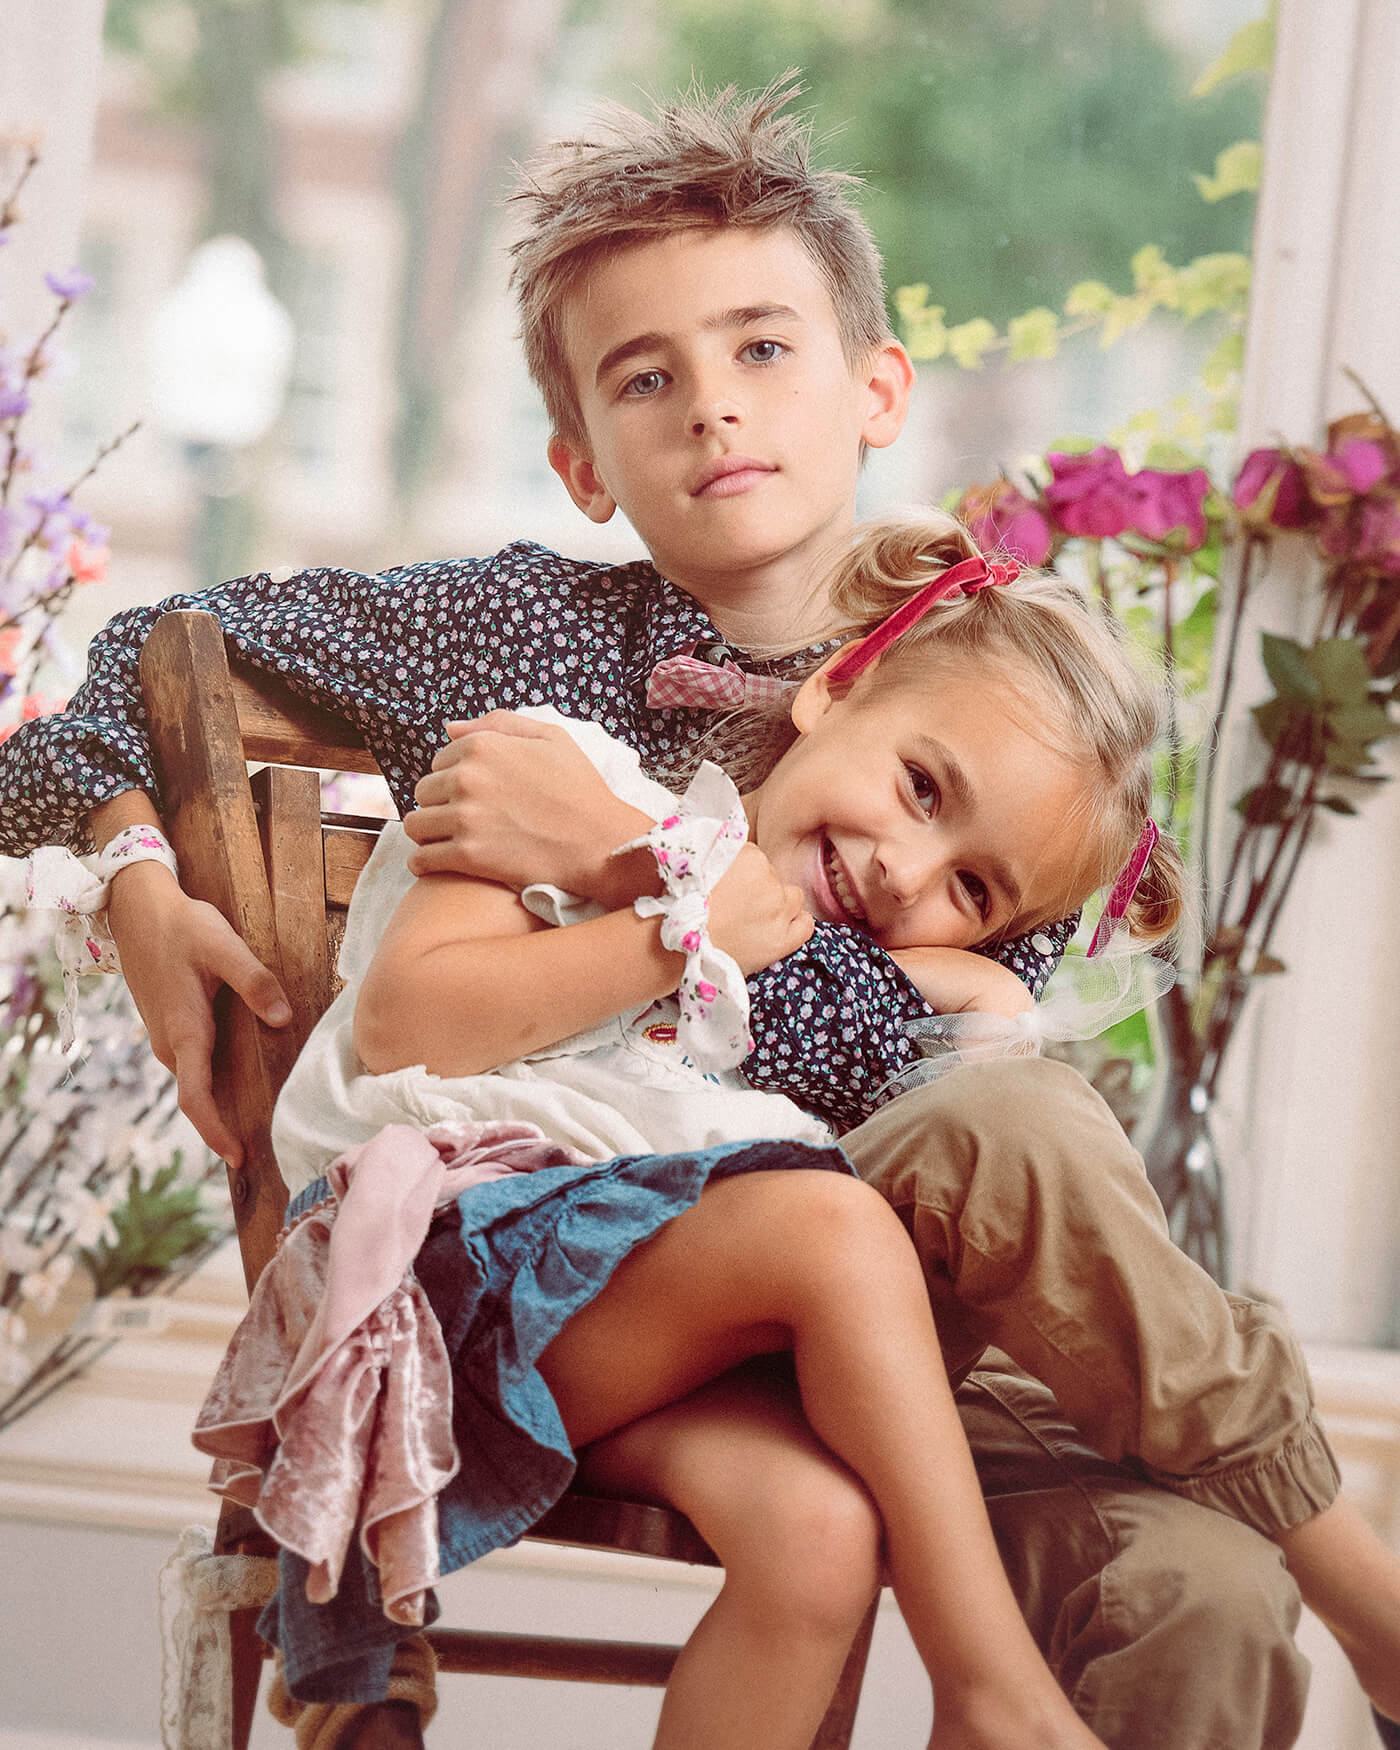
1011	148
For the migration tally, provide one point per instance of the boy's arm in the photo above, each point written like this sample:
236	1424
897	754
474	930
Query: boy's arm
955	981
86	772
456	983
175	953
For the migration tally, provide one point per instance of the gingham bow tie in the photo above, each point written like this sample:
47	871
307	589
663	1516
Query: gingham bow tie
706	676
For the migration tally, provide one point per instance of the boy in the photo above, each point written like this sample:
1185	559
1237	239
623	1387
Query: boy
705	317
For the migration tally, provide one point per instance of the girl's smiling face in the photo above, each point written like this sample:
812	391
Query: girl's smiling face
920	809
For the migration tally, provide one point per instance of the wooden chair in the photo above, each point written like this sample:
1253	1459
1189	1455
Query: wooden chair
282	874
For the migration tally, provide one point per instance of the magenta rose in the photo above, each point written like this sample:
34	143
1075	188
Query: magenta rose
1167	502
1090	494
1003	520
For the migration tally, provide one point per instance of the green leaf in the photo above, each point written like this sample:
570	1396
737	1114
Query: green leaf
1337	804
1360	723
1249	50
1171	458
969	340
1236	172
1124	315
1340	667
1215	282
1285	662
1071	446
1266	804
1224	361
1036	335
1089	298
1346	757
1153	275
1284	719
924	332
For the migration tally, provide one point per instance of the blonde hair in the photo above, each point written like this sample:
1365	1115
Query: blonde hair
721	160
1065	659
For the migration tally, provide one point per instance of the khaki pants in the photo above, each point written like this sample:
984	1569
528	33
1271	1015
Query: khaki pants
1041	1237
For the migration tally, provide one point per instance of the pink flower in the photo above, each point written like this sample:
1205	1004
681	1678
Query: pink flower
1002	519
705	990
1273	486
9	643
1361	464
1090	494
690	941
671	820
86	564
1170	501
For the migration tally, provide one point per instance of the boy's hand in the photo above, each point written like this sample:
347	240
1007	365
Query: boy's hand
756	917
954	981
175	953
516	801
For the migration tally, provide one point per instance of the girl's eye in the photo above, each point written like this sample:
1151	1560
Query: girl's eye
764	352
976	890
644	383
923	789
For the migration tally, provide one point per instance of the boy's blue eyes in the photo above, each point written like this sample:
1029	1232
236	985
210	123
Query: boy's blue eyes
755	352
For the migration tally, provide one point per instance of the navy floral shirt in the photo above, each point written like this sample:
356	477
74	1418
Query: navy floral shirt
402	651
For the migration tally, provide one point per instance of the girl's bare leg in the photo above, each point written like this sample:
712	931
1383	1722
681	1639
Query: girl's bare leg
799	1538
820	1264
1351	1578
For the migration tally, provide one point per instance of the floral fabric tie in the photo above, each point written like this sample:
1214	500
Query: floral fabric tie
693	848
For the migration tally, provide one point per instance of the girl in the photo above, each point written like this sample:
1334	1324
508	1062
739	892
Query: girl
921	800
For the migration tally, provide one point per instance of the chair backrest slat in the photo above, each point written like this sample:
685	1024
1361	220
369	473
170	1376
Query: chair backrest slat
260	852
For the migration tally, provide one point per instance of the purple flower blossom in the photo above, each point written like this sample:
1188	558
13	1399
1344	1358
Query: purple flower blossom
1090	494
1170	501
1003	519
70	286
1271	484
13	402
1361	464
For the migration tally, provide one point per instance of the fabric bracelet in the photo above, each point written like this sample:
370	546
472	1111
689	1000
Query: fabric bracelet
693	848
78	890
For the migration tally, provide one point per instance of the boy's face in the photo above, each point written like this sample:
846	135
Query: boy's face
720	412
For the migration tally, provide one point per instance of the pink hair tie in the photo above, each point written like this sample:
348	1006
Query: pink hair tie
1125	887
968	575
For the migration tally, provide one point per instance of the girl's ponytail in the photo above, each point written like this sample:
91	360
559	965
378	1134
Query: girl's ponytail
1159	903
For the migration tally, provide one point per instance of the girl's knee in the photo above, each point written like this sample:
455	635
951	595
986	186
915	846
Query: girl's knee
815	1562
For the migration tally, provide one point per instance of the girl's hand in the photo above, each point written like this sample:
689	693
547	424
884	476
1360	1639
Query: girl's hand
176	952
954	981
756	917
516	801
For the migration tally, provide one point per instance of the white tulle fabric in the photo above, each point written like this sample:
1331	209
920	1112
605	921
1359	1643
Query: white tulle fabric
1086	996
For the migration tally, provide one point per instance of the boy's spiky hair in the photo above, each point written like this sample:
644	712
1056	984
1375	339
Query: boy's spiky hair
717	160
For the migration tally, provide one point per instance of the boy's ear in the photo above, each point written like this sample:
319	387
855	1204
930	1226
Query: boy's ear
889	382
581	480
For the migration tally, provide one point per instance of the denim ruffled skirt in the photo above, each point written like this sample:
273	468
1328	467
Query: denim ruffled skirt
504	1269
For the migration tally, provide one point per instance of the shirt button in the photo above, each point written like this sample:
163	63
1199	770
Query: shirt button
715	654
1042	944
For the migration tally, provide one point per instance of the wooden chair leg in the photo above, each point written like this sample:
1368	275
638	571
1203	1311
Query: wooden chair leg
834	1733
247	1654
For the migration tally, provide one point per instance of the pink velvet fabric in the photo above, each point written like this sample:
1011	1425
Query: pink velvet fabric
332	1406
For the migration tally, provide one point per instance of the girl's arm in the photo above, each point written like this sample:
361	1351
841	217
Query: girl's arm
465	979
955	981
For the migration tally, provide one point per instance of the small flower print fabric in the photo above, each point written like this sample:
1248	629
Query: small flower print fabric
401	651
